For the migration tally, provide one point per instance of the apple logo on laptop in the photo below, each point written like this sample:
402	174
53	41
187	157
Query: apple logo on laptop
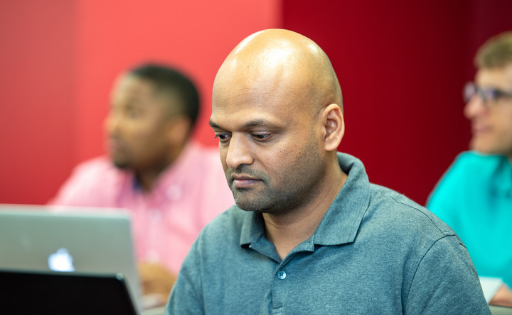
61	261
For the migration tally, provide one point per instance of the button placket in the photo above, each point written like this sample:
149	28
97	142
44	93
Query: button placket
279	289
154	218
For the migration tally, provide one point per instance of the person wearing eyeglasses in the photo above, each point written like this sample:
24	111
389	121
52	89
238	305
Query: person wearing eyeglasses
474	197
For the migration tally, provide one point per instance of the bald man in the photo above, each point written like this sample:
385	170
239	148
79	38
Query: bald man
309	234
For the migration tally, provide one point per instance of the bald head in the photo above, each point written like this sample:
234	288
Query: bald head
282	63
277	114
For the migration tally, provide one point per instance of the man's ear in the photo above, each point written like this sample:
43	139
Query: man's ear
334	127
178	128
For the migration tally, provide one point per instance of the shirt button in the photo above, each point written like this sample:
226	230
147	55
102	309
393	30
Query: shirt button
281	275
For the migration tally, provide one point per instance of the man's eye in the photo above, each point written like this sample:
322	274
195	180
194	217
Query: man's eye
491	94
495	95
262	137
222	137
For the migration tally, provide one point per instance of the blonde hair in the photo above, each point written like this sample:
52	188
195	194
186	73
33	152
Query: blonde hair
496	52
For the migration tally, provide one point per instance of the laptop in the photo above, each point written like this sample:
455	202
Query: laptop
28	292
84	241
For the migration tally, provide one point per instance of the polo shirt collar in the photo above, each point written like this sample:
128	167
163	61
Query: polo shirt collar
253	228
341	221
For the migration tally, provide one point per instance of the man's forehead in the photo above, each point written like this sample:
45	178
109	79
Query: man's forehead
278	85
495	77
261	86
132	87
248	103
127	84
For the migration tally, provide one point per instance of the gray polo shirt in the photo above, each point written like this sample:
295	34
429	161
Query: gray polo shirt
374	252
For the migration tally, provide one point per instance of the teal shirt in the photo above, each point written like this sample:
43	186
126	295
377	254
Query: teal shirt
474	198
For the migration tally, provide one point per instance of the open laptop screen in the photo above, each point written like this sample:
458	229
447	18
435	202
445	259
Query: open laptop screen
63	293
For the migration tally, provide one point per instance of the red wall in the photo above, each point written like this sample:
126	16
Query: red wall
37	72
401	66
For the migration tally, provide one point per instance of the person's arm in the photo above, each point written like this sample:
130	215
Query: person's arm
186	296
503	296
445	282
490	286
157	283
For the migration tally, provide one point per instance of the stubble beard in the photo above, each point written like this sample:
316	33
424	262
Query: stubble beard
121	163
294	187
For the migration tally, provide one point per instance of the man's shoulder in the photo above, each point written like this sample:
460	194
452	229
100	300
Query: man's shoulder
471	173
97	164
226	226
470	163
402	217
228	221
92	183
96	170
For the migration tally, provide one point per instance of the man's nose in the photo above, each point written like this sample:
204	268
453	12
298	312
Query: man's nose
239	152
111	123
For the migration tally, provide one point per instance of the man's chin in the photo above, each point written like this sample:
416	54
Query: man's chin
121	164
485	148
251	199
249	205
256	205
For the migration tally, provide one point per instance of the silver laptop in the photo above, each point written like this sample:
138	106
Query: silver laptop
40	238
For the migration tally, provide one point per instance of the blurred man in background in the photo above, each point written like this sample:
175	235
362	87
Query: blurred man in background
475	195
171	185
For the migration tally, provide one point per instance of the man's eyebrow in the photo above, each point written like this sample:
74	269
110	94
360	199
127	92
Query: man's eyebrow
213	125
256	122
249	124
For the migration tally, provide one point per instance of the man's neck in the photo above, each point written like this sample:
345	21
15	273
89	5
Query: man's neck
147	177
289	230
